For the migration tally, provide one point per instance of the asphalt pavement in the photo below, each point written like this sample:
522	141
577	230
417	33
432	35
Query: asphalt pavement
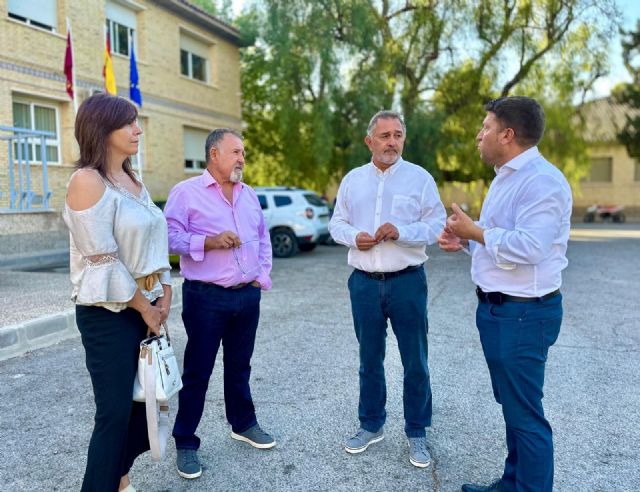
305	386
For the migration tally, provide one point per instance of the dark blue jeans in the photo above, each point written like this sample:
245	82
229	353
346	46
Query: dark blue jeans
403	301
212	315
515	338
112	344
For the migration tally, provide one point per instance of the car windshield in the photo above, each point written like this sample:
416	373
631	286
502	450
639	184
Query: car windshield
313	199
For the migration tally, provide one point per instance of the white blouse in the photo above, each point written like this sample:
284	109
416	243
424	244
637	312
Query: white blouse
119	239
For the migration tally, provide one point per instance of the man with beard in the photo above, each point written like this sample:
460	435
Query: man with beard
518	251
387	212
217	227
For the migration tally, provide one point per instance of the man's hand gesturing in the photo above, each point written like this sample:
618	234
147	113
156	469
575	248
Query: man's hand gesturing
224	240
365	242
387	231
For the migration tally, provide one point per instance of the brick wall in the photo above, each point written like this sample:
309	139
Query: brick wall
31	64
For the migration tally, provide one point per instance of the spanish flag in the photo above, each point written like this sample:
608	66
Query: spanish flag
107	70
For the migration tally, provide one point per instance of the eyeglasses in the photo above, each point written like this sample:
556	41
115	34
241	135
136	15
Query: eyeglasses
240	256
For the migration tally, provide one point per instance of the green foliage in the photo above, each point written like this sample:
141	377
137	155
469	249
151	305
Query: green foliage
630	93
320	69
222	9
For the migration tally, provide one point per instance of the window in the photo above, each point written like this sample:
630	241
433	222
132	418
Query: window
281	200
40	14
601	170
121	26
315	200
37	116
194	153
263	202
194	58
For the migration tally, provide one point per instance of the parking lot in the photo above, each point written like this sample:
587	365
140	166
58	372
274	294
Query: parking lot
305	385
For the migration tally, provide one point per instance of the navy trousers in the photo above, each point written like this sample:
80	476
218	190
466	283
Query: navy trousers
214	315
515	338
403	301
112	344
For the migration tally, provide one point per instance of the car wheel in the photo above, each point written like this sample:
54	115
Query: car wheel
283	243
307	246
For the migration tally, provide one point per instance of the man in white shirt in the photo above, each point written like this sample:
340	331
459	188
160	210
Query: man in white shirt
518	251
386	212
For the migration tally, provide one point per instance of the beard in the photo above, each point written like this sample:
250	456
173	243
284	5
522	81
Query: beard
388	157
236	176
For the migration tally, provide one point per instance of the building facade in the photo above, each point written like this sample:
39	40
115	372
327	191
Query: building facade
189	75
614	176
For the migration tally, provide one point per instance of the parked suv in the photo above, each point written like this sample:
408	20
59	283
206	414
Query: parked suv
297	219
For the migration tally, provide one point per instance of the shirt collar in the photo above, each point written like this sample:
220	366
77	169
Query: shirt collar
389	171
520	160
207	180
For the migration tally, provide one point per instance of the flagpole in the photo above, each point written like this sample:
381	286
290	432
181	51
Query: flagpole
140	142
73	70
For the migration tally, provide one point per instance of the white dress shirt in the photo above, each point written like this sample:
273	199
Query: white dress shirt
406	196
526	216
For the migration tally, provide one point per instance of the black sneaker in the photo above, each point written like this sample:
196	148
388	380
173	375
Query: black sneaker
256	437
188	463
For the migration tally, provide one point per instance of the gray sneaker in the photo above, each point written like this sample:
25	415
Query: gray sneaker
256	437
188	463
418	453
362	440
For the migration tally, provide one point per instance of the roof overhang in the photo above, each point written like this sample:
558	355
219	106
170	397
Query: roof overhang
203	19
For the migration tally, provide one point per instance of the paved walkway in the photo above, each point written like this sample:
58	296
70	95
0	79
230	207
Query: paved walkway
304	383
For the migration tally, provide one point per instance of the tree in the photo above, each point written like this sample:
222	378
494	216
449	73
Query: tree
319	70
629	94
219	8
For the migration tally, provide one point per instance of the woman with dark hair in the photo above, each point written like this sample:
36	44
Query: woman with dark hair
120	277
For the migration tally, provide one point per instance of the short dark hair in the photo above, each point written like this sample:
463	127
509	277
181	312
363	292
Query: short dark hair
215	137
523	115
99	116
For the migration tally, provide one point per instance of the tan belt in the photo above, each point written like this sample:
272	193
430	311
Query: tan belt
147	283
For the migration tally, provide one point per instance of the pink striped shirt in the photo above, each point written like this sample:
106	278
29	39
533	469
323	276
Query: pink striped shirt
197	208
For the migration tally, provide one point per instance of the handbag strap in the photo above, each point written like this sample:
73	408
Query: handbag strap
166	331
157	415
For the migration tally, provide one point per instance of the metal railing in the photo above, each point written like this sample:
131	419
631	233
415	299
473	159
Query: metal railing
21	194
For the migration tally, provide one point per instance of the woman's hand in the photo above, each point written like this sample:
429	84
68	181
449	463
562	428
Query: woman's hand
153	316
164	302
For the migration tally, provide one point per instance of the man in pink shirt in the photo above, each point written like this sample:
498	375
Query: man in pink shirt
217	227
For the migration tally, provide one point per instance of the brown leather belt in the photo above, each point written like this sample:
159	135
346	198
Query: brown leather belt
147	283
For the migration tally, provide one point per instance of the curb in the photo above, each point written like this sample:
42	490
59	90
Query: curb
20	338
35	260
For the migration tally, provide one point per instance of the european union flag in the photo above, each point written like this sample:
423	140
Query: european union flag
134	90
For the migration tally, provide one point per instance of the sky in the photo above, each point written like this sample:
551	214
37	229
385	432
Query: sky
631	13
618	73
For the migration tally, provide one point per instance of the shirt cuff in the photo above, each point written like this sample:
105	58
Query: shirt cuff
265	281
165	278
353	240
196	247
492	241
